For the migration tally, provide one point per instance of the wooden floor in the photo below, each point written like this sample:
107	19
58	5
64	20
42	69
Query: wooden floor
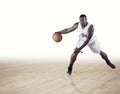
51	78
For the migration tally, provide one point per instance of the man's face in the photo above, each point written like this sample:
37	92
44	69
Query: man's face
83	21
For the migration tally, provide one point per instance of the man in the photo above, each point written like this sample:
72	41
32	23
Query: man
86	37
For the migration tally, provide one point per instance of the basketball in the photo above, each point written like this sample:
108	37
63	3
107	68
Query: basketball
57	37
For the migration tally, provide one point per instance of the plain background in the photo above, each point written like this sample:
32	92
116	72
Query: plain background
26	27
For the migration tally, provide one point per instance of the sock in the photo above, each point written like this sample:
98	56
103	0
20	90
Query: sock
108	62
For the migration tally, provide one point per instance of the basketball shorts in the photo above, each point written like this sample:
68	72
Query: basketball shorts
94	45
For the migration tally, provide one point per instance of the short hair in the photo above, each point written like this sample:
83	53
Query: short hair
83	15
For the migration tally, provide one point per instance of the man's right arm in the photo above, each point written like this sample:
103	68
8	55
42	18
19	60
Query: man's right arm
68	30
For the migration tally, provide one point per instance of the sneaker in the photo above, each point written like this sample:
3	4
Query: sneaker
69	70
111	65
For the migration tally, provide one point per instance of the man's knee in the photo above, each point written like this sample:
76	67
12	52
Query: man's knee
76	51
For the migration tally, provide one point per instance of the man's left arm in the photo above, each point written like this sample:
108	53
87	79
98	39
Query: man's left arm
90	34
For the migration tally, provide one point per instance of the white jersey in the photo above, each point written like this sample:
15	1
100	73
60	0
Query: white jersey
93	43
84	32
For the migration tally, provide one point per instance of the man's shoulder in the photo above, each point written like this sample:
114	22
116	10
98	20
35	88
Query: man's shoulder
76	23
91	25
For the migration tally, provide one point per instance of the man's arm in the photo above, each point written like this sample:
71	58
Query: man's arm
90	34
68	30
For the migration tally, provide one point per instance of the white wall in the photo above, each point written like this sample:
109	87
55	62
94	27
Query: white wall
26	27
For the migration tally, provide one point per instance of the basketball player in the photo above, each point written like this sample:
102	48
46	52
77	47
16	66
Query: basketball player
86	37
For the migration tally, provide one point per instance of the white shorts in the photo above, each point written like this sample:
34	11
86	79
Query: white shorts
94	45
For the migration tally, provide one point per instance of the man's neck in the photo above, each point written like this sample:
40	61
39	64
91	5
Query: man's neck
83	26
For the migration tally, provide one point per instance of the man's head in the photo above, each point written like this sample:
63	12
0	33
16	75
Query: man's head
83	19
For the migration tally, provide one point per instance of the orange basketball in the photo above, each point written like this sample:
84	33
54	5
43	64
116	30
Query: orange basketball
57	37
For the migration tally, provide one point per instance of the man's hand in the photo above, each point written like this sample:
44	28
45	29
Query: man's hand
62	31
57	32
77	50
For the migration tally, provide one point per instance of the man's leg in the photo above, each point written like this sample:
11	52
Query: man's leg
104	56
72	60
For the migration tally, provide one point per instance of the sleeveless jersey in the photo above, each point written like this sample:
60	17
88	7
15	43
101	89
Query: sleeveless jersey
84	33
